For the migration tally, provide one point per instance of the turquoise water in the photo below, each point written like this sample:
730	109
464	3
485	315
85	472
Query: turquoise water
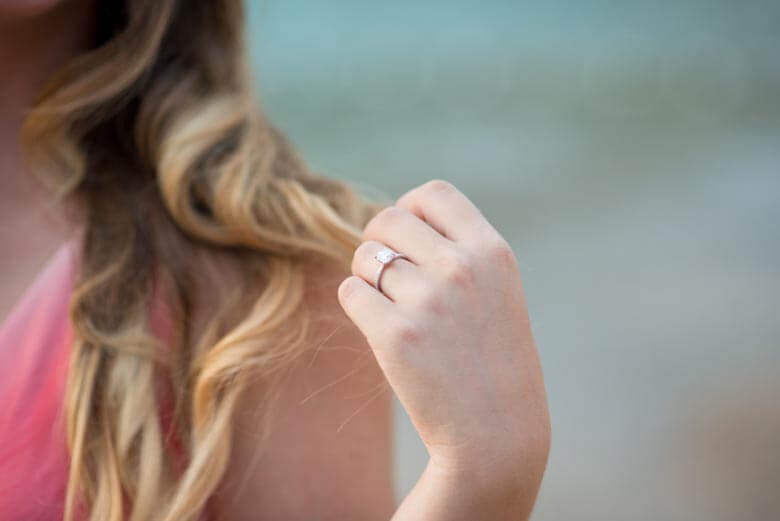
630	153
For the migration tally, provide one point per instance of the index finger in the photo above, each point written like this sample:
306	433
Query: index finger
446	209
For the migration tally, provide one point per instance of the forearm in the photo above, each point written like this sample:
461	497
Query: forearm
442	496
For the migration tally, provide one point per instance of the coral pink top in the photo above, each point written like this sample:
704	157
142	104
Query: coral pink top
34	346
35	342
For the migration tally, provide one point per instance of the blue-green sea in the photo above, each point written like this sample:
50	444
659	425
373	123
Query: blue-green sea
630	153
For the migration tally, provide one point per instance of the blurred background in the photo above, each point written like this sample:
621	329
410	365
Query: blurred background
630	153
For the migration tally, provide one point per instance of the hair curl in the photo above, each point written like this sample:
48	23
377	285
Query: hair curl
156	133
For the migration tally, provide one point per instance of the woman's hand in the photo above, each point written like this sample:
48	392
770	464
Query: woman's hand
450	330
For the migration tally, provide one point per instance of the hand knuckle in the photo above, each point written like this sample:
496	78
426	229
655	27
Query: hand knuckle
404	333
439	185
457	268
435	305
386	217
501	251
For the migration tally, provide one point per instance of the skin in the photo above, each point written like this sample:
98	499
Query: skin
450	337
330	452
450	331
28	55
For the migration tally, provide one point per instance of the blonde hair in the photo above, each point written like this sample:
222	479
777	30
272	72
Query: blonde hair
156	134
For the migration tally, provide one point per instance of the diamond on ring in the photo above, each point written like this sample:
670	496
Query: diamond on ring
385	256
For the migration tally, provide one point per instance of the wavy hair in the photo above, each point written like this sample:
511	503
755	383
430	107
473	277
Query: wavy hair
156	133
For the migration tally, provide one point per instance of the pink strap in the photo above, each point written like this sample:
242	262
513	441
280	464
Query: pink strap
34	344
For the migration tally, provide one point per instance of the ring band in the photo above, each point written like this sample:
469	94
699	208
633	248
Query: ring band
385	256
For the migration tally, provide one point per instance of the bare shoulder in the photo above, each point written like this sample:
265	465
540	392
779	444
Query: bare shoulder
329	451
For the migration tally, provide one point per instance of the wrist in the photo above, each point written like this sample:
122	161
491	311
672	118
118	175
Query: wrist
504	483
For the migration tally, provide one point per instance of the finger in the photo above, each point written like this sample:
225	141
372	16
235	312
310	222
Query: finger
406	233
364	305
446	209
400	277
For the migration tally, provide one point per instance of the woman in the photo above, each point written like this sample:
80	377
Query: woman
198	328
